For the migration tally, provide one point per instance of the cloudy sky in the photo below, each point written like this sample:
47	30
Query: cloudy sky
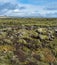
28	8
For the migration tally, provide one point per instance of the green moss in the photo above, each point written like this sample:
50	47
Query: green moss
42	63
7	41
22	41
33	33
43	37
27	33
3	34
26	50
42	30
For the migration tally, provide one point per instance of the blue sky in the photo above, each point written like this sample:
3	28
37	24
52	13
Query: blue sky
29	8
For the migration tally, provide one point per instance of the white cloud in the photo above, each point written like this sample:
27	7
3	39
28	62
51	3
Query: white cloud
3	1
28	10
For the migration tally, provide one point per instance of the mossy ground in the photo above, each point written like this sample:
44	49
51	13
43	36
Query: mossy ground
23	44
